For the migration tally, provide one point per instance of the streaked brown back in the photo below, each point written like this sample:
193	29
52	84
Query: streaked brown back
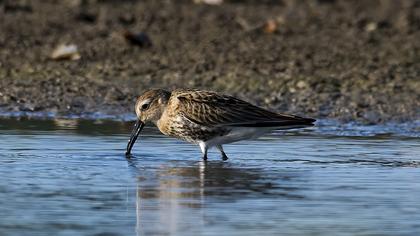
213	109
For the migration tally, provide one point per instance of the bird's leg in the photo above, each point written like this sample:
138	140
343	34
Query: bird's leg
205	155
224	156
204	148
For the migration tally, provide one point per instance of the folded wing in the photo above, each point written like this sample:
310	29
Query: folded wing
212	109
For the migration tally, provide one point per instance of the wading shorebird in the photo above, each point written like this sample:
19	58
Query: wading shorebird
207	118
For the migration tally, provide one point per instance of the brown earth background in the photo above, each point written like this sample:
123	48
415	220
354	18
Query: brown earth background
346	60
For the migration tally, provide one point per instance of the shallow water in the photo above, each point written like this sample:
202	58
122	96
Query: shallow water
70	177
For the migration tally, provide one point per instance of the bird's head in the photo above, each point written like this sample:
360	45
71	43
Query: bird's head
151	104
149	108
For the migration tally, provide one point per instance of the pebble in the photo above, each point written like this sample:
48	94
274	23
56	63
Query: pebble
301	84
65	52
141	39
372	26
210	2
270	26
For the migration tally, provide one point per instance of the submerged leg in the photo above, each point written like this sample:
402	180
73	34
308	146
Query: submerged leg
205	155
224	156
204	148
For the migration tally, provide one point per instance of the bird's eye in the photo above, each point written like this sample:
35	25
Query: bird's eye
145	106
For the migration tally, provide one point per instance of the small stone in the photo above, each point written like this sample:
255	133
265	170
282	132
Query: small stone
372	26
301	84
270	26
141	39
65	52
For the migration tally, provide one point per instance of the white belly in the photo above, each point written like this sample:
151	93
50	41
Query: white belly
241	133
237	134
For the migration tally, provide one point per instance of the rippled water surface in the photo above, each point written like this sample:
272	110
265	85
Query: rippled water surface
69	177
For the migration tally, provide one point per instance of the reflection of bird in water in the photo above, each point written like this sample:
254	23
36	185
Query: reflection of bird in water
207	118
216	179
164	192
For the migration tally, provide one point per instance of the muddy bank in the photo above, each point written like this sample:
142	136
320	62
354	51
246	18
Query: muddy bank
347	60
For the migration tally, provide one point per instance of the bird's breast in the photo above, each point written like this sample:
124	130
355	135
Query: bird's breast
182	128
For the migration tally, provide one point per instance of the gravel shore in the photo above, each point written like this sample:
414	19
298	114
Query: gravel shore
345	60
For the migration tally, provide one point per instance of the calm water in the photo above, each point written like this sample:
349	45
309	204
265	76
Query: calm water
69	177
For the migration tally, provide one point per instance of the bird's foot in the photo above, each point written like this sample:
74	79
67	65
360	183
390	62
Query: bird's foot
128	155
224	157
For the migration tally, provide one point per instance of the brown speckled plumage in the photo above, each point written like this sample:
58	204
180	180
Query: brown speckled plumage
208	118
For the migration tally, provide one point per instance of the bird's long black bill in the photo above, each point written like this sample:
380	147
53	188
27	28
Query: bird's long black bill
134	134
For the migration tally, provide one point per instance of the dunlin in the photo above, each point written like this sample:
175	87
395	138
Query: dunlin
207	118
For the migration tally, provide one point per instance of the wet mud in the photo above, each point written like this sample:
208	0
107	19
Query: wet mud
345	60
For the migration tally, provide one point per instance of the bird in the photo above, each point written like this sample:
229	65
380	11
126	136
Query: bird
207	118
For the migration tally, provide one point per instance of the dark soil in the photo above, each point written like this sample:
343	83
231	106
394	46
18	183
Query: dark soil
350	60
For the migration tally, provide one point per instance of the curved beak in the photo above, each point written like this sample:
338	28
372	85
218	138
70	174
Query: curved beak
134	134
